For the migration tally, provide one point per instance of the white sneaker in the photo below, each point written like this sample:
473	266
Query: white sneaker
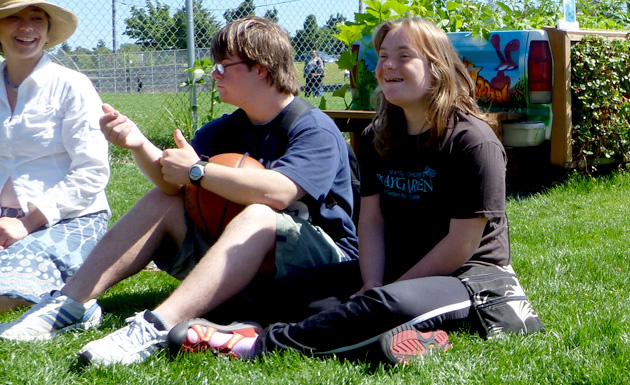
131	344
54	314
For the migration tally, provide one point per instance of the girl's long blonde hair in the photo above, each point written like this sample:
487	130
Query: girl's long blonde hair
452	89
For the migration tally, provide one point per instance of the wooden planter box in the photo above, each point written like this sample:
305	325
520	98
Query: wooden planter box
561	152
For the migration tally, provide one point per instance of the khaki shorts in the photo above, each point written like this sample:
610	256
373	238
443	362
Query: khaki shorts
299	246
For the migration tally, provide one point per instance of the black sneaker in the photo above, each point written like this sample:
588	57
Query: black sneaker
402	344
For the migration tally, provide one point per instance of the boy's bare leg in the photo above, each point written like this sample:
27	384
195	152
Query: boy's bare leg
227	268
129	245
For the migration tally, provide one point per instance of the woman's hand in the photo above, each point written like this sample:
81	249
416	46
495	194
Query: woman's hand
11	231
14	229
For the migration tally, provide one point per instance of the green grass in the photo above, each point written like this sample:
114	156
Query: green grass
570	250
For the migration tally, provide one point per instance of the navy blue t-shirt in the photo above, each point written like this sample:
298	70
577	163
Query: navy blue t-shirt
312	153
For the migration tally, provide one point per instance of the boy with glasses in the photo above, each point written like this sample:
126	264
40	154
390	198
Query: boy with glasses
287	227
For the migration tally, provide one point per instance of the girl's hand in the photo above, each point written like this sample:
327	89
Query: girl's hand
367	286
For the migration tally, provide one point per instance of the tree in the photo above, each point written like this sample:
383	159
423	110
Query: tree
604	14
62	56
246	8
101	48
152	26
133	55
321	39
83	59
308	38
155	28
272	14
334	21
65	47
205	26
331	44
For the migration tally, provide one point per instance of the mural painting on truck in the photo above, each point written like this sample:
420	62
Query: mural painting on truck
512	70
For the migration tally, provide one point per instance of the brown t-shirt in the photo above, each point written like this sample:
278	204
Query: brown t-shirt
422	188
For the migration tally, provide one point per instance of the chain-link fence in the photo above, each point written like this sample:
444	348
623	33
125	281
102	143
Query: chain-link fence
136	51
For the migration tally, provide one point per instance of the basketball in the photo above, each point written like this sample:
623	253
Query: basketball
210	212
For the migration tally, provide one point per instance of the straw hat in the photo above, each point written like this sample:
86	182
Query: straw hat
63	23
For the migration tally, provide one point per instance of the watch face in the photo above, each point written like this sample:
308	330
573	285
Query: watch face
196	172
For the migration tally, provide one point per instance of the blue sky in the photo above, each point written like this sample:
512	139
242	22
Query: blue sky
95	16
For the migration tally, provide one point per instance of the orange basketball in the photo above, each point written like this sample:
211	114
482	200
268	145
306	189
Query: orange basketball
209	211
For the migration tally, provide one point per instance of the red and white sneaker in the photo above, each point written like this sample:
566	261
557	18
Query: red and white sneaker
194	335
404	343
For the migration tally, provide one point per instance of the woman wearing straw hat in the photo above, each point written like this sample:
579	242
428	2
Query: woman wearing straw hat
53	157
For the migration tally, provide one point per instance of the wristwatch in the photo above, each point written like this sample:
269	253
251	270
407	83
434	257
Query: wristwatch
197	171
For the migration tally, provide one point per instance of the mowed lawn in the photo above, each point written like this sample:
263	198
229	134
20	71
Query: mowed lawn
570	249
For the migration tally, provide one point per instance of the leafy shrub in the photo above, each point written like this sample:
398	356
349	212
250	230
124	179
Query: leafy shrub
600	81
604	14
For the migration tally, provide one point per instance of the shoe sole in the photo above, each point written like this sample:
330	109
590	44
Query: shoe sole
404	343
113	349
87	358
177	336
84	326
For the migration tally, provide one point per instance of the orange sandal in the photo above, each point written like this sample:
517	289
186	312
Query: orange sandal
178	340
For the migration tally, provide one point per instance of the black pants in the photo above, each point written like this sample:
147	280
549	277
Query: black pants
292	298
312	85
427	303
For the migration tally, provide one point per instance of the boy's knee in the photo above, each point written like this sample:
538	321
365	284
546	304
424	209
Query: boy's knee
156	196
255	218
158	204
258	213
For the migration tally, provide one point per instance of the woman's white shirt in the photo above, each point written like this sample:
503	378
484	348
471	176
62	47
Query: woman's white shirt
51	146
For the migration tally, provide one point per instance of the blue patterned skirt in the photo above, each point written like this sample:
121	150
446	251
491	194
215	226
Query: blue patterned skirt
46	258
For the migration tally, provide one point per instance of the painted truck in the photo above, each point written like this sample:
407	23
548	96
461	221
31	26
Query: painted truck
513	73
